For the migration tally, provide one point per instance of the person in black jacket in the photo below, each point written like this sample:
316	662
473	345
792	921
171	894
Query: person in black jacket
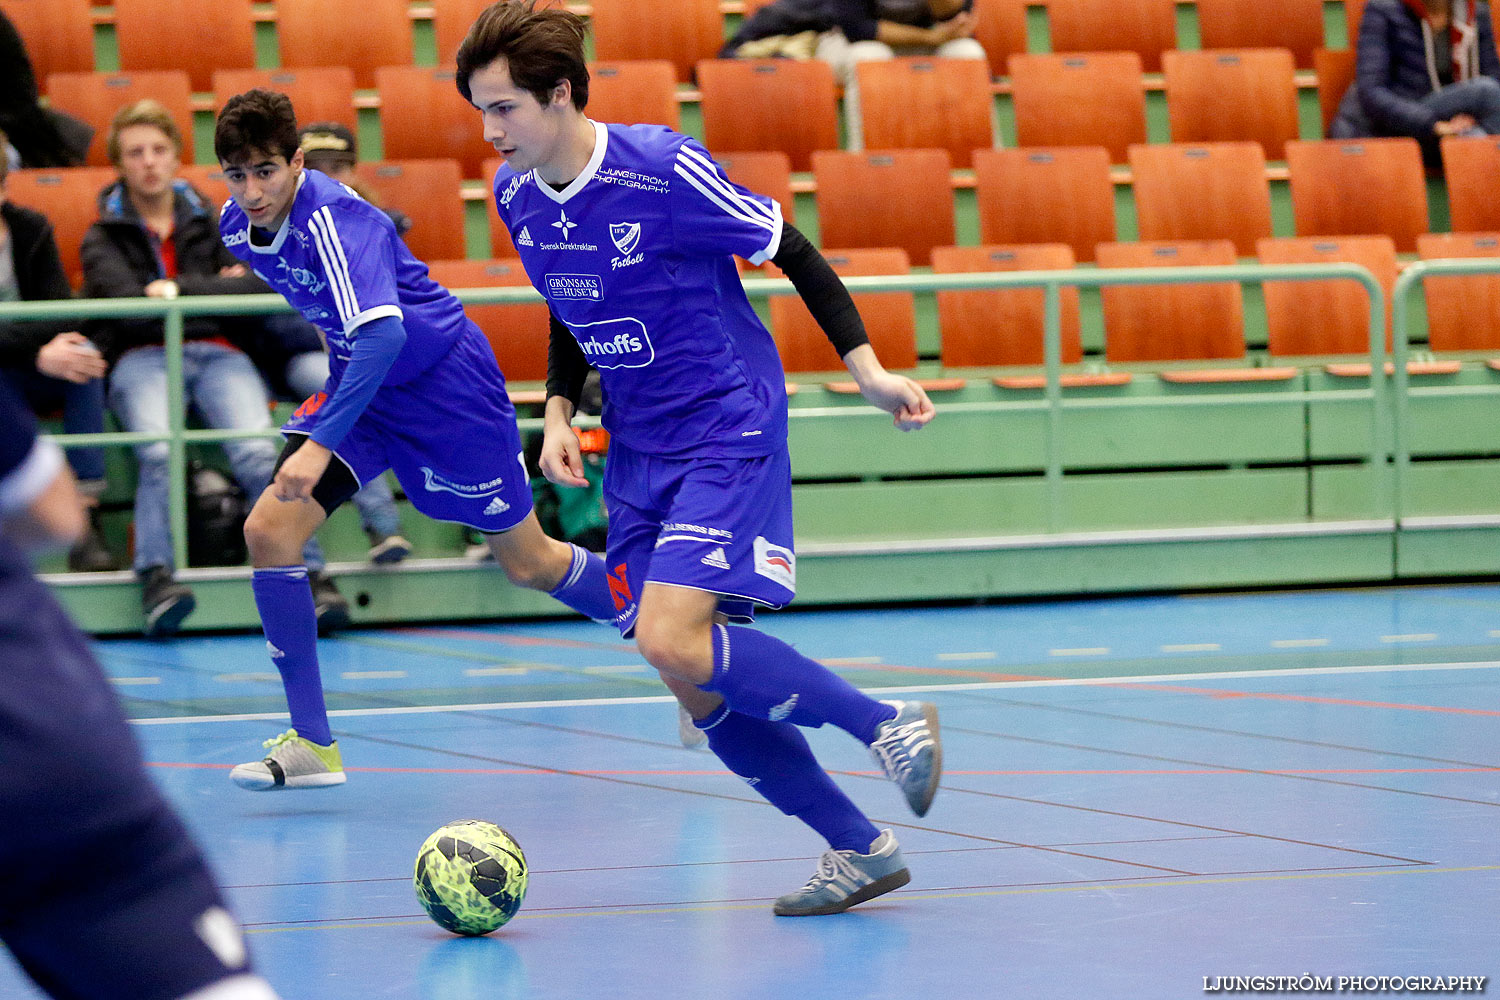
1425	70
158	237
35	136
48	362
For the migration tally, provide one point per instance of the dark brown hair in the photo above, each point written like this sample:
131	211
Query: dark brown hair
257	121
542	47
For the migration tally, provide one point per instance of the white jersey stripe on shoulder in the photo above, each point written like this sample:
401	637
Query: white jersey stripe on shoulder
730	208
340	274
315	227
334	265
711	173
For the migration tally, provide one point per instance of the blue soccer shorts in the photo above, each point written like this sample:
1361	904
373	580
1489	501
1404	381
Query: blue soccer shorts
450	437
721	525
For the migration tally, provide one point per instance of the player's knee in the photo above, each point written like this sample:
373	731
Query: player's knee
529	572
269	540
672	649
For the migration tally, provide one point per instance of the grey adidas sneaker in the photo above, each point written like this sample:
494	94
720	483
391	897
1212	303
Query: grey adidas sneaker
909	748
847	878
293	762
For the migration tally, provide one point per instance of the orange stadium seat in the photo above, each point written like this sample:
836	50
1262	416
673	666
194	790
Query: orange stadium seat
197	36
1227	95
766	172
1190	322
1207	191
1463	313
1088	99
423	116
1359	187
785	104
927	104
1334	69
59	35
1145	27
1003	326
1057	195
898	197
362	35
69	198
890	317
318	93
1472	166
1354	12
430	192
1324	317
517	332
209	180
96	97
1000	26
1274	24
680	31
450	23
643	92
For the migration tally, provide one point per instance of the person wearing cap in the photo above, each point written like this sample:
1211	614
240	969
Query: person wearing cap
293	360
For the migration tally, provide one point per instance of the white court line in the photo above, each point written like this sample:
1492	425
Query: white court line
372	675
984	655
495	671
132	681
908	689
848	661
1191	647
1080	651
621	668
1297	643
238	678
1413	637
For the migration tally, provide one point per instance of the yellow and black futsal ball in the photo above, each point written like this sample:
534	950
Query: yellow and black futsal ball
470	876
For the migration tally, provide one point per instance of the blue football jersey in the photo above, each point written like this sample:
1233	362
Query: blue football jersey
338	261
636	257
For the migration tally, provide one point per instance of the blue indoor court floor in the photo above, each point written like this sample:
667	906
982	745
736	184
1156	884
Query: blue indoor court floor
1143	795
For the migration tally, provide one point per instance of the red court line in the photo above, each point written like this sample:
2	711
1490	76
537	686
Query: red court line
183	765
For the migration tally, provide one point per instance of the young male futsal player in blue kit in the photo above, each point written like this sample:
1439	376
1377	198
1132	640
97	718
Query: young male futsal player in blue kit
412	386
629	233
102	893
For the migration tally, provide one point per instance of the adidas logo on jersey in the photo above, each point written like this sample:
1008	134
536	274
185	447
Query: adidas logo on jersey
497	506
276	654
525	238
780	712
716	559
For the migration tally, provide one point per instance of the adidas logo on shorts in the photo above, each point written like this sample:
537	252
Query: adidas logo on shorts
497	506
525	238
716	559
276	654
780	712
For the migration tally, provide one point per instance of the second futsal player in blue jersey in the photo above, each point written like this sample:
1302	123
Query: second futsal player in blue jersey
630	233
413	387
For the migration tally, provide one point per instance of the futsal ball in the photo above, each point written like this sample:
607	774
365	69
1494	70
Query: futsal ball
470	876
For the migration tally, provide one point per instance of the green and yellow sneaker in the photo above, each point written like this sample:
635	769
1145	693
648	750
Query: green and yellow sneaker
293	762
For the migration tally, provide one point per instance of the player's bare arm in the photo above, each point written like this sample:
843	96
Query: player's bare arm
897	395
562	455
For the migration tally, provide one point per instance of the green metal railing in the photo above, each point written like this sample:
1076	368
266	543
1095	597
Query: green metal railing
178	435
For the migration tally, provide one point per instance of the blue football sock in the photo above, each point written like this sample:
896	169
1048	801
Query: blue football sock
760	675
584	587
777	762
285	602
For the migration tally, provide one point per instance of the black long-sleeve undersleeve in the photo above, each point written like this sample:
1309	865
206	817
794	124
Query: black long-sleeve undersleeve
821	289
567	368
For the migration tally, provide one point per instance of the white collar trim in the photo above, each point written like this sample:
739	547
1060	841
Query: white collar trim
286	224
601	143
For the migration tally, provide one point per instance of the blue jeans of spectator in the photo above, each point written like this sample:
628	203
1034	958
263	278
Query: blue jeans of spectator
1479	98
305	375
82	413
221	384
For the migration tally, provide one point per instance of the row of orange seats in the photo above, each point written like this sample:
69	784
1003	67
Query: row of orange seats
1053	195
200	36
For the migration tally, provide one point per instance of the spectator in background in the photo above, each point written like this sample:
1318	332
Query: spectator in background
49	363
844	33
35	136
293	359
1425	70
156	236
